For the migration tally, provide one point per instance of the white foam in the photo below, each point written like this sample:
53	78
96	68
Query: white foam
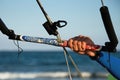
9	75
28	75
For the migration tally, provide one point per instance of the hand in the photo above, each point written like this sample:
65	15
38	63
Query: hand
79	43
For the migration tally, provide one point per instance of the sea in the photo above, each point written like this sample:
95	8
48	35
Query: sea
47	65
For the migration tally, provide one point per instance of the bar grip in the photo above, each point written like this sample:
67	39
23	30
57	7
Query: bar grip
3	28
6	31
88	47
109	28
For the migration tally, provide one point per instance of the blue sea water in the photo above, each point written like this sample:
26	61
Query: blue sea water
47	65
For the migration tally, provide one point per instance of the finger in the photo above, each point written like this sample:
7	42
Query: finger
83	46
79	46
70	44
75	47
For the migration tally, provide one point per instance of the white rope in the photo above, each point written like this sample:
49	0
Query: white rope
71	59
65	54
67	63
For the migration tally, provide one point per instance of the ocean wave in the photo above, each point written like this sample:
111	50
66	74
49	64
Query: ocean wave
28	75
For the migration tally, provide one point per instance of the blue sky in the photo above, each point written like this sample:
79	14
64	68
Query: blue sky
83	17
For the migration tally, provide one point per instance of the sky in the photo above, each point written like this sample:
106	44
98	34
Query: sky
83	18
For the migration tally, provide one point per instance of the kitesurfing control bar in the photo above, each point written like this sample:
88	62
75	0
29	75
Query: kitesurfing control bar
54	42
49	41
111	46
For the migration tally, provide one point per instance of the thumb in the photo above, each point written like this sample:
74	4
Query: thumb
90	53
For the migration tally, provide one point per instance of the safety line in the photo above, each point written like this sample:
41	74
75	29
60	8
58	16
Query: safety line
71	59
65	54
75	66
67	63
